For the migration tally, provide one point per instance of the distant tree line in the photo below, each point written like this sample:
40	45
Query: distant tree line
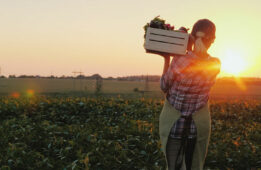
94	76
148	78
140	78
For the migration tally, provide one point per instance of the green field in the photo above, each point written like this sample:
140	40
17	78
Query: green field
116	133
113	87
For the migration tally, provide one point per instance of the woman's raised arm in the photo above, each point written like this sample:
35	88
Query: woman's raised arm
166	63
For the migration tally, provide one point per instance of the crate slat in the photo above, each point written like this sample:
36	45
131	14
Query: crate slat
168	48
167	32
166	41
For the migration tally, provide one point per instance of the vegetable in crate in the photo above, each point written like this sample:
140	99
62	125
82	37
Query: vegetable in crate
158	23
183	29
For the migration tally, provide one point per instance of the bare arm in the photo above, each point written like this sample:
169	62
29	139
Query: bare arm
166	63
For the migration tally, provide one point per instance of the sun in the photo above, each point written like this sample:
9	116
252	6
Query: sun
233	62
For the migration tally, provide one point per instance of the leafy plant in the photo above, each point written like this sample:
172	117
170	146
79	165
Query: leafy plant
87	133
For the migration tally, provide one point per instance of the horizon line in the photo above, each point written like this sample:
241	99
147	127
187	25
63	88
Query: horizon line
16	76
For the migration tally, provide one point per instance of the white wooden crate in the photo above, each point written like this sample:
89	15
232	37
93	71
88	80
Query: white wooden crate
166	41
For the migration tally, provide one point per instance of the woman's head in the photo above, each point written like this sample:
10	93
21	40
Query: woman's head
202	35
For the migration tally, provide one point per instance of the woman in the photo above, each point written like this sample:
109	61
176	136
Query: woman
184	123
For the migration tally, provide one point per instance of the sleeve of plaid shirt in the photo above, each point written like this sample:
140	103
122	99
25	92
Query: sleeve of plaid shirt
167	78
178	64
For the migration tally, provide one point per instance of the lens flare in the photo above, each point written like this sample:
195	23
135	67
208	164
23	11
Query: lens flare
15	95
30	93
240	83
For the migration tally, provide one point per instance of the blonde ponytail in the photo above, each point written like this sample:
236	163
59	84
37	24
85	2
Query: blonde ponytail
199	46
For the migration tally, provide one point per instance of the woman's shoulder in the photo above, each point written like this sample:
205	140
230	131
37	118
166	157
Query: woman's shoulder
215	63
209	63
191	58
215	59
208	59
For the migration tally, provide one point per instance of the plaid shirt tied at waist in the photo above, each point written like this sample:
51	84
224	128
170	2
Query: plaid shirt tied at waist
187	84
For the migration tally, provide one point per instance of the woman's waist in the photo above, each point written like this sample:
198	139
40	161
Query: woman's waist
187	106
187	98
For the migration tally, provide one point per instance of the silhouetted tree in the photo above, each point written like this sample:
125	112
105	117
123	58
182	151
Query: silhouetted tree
11	76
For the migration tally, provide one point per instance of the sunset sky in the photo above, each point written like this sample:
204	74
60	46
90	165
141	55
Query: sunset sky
45	37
